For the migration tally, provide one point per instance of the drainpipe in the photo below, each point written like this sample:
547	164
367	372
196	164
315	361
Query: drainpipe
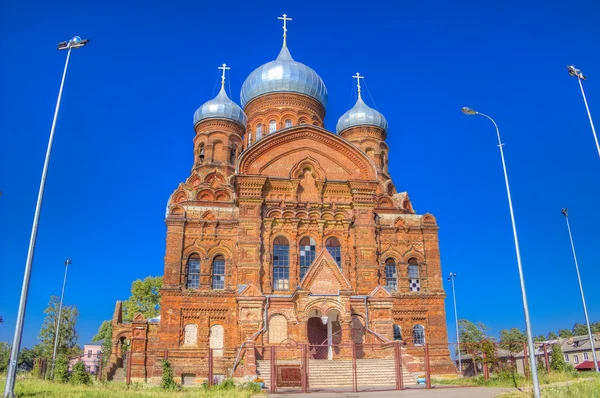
265	317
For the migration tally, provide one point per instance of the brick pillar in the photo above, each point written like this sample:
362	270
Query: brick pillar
250	359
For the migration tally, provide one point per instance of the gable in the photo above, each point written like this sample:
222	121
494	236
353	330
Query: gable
278	153
324	276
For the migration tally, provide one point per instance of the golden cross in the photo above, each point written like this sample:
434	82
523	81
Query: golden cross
285	19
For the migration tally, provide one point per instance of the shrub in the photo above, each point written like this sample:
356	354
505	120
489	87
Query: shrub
79	374
61	369
557	363
168	382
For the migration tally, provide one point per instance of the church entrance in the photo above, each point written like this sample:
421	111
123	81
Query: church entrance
317	338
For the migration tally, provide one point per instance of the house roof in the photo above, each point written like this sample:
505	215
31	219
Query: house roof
585	365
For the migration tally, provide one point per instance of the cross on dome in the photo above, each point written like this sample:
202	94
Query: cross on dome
285	19
358	77
224	68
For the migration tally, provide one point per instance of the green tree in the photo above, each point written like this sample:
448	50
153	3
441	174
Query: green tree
539	338
580	329
145	298
595	327
4	356
61	369
552	336
512	339
79	375
168	382
105	335
67	335
470	332
564	333
557	360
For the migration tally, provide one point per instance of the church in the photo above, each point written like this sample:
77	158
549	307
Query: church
288	233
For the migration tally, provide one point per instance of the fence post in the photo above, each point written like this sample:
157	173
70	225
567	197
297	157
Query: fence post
210	367
128	376
398	360
486	370
546	358
525	361
273	371
354	379
427	367
304	374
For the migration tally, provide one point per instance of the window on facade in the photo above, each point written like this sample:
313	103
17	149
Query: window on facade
288	123
308	251
414	280
334	248
585	356
418	335
232	155
201	154
575	358
193	276
397	332
218	273
391	276
216	340
272	126
566	357
190	334
281	263
258	132
89	353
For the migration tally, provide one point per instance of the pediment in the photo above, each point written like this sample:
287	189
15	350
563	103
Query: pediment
324	276
276	153
250	290
139	317
380	292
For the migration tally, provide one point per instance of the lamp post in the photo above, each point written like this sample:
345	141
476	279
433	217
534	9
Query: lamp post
536	385
451	279
565	212
580	76
9	390
56	334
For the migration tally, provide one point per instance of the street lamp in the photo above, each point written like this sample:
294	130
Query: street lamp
9	390
451	279
536	385
62	295
580	76
565	212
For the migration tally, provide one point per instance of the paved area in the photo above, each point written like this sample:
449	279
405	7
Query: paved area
467	392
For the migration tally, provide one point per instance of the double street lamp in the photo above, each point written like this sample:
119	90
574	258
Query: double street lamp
536	385
573	71
56	333
9	390
451	279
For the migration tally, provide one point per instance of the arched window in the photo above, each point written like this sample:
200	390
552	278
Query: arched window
281	263
334	248
308	251
258	131
190	334
272	126
414	281
277	329
397	332
391	275
201	154
193	273
232	153
218	273
216	340
418	335
288	123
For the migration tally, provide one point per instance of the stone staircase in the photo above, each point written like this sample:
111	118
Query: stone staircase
371	374
118	375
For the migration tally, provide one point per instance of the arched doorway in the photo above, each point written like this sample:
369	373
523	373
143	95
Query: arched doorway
324	334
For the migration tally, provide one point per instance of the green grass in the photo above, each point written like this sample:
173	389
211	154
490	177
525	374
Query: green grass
516	380
572	389
30	387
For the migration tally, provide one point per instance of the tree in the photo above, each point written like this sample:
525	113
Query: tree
557	360
145	298
4	356
564	333
595	327
79	374
580	329
539	338
67	335
168	382
61	369
105	335
552	336
470	332
512	339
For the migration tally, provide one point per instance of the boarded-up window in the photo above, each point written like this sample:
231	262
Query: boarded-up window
190	334
216	340
358	329
277	329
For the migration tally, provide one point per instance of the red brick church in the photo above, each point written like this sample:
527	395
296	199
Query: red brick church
288	233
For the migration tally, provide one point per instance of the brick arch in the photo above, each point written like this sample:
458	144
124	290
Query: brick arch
348	163
219	250
309	162
193	249
413	253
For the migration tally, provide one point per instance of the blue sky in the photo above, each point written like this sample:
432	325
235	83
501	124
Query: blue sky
124	136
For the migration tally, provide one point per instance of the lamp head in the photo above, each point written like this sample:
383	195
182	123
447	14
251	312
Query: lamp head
324	319
564	212
68	261
573	71
468	111
75	42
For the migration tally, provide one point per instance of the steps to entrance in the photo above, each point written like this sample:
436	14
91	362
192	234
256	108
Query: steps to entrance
337	374
119	375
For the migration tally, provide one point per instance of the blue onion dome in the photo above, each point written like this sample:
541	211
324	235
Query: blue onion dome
283	75
360	115
220	107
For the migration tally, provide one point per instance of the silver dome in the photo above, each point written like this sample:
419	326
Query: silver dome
283	74
361	114
220	107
